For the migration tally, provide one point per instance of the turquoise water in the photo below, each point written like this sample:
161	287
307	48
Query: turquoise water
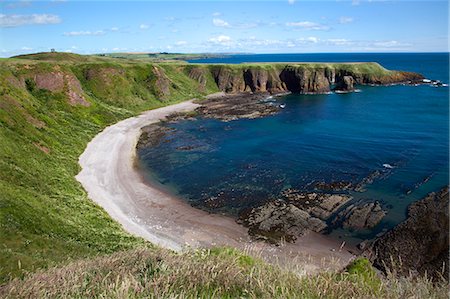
336	137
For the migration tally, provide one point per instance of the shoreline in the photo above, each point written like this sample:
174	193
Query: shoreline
111	179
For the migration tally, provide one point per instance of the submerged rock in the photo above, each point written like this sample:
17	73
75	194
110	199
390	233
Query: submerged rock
420	244
334	186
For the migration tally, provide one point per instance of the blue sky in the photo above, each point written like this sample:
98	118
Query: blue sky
294	26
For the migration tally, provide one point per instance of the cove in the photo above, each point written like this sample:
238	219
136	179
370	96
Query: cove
398	132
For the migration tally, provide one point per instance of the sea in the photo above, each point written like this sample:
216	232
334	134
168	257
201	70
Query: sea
400	132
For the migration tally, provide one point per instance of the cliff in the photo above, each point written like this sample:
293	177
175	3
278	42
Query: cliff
420	244
305	78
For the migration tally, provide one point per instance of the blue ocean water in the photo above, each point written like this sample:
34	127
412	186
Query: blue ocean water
335	137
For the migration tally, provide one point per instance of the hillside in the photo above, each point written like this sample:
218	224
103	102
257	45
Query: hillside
53	104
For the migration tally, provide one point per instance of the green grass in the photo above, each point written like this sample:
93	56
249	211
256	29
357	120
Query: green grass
217	273
45	215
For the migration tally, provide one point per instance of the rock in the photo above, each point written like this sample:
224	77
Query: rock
362	245
199	74
162	83
305	80
328	205
152	135
362	216
227	79
301	78
277	220
288	219
419	244
65	82
319	205
333	186
346	83
241	105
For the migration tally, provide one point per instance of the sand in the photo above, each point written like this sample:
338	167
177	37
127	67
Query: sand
111	180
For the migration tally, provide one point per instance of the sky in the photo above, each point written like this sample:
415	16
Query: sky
282	26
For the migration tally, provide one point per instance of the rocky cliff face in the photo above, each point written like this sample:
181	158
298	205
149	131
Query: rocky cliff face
306	79
419	244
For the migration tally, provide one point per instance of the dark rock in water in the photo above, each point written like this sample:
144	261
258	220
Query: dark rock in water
362	216
277	220
232	107
420	244
345	83
368	180
185	148
319	205
153	135
334	186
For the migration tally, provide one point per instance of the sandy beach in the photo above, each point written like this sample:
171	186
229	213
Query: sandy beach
111	180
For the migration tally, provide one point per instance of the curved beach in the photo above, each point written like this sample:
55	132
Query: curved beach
111	180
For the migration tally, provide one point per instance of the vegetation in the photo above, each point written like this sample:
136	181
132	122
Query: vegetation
158	57
51	106
45	215
218	273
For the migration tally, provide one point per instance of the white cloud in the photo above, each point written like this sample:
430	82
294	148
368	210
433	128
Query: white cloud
223	40
308	40
144	26
220	23
291	1
34	19
216	14
181	43
84	33
345	20
114	29
253	41
355	2
26	48
390	44
339	41
306	25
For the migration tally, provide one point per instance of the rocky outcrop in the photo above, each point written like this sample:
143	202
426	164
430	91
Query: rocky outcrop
200	75
293	215
232	107
420	244
262	80
320	205
228	79
162	83
346	83
63	82
304	78
360	216
278	220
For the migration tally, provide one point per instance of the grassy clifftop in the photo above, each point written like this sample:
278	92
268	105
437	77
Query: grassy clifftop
48	113
51	106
